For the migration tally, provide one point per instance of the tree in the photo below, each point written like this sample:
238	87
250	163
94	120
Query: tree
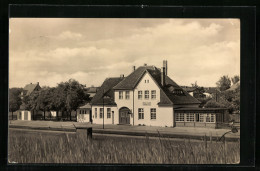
75	95
224	83
235	79
58	99
14	100
44	101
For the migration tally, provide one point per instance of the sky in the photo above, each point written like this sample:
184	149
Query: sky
52	50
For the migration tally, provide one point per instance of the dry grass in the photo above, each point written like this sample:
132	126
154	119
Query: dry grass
70	148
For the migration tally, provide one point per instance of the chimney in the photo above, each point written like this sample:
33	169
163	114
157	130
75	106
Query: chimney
133	68
122	76
145	64
163	76
38	83
165	66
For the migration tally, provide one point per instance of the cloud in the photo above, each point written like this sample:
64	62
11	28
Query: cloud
69	35
196	50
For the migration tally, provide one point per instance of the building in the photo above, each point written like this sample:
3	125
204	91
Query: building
91	91
84	113
24	114
148	96
197	92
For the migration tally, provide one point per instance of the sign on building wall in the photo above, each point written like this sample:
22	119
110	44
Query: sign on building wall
147	103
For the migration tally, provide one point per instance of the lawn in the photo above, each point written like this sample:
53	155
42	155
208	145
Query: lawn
51	147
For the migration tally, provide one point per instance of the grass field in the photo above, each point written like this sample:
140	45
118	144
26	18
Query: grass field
39	147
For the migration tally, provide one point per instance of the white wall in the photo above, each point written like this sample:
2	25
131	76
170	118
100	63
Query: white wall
83	117
98	120
29	115
164	115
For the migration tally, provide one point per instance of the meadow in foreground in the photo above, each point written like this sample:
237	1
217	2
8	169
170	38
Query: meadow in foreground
70	148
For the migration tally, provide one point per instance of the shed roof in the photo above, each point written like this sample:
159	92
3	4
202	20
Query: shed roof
88	106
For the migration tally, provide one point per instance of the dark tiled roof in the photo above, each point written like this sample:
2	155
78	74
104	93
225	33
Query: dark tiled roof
29	88
189	89
107	87
167	97
92	89
132	80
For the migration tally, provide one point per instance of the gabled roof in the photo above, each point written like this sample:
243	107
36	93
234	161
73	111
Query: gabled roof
132	80
107	89
29	88
167	97
234	86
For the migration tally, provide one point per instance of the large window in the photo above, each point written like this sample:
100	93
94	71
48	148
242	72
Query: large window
207	117
146	94
201	117
153	94
108	112
190	117
140	113
140	95
101	111
120	94
95	112
210	118
179	117
127	96
153	113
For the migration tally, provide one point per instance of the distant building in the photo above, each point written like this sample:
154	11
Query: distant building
24	114
91	91
148	96
197	92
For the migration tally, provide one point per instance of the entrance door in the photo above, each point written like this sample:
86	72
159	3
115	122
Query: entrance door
124	116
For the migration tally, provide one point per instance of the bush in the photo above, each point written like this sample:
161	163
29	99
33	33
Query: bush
213	104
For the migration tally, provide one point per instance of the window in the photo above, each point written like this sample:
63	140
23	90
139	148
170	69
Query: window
140	95
146	94
212	116
127	96
153	113
108	112
79	111
101	113
140	113
95	112
147	81
179	117
207	118
201	116
120	95
153	94
190	117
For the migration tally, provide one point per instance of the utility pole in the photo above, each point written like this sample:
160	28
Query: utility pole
103	111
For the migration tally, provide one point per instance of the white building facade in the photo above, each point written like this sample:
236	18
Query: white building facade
147	96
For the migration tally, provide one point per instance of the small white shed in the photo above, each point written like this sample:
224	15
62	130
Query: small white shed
84	113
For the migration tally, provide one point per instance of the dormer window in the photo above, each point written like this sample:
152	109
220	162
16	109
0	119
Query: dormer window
175	91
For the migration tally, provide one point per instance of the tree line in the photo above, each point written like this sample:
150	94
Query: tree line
223	97
66	96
